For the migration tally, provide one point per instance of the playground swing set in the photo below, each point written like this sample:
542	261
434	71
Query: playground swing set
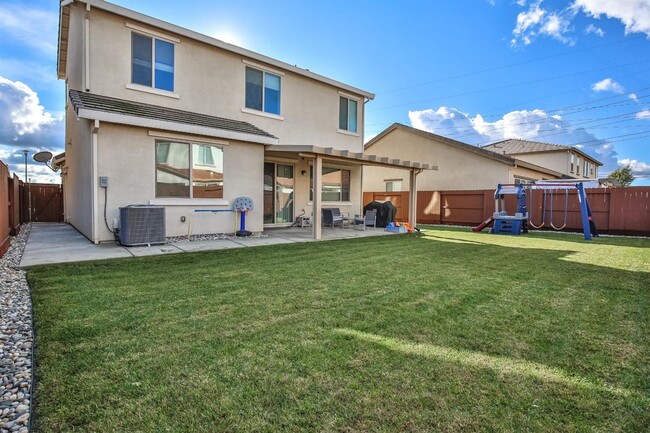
502	223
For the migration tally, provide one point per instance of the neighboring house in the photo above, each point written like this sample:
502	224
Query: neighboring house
568	160
179	119
463	166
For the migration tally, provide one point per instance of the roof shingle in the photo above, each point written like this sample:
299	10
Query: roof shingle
89	101
515	146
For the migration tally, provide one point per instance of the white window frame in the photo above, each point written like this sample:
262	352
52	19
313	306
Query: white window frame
359	104
392	182
152	89
191	170
264	71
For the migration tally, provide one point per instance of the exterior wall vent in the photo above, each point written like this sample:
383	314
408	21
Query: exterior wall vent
142	225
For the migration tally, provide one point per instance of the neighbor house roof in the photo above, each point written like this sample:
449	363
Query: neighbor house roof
107	109
462	146
137	16
445	140
516	146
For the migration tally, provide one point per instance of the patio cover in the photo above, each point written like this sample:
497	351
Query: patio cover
319	154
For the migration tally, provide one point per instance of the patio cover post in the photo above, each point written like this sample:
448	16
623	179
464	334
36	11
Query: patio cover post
317	187
413	195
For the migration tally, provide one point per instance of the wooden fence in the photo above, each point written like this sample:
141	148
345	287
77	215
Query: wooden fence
615	210
20	203
42	202
5	227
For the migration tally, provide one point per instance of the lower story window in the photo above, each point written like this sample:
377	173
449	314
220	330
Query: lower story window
188	170
335	184
393	185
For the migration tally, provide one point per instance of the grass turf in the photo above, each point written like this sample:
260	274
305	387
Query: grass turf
444	331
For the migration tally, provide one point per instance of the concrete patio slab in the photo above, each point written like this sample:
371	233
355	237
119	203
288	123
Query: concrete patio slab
221	244
153	250
255	242
51	243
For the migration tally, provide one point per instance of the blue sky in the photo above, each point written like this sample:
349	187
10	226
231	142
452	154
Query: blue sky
567	72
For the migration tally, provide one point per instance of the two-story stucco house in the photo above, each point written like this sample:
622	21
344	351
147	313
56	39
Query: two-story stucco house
167	116
568	160
465	166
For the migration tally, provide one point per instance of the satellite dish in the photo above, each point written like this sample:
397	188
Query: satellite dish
43	157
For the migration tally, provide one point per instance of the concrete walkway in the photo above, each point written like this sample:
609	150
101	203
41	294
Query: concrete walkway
51	243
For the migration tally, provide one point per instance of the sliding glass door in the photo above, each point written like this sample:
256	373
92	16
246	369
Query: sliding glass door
278	193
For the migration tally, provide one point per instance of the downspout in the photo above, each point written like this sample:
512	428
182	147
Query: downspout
95	196
87	50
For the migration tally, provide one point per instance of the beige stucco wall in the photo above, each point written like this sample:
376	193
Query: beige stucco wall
127	157
457	168
78	178
78	165
212	81
75	56
558	161
527	173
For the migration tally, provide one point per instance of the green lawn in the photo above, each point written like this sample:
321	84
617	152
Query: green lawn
445	331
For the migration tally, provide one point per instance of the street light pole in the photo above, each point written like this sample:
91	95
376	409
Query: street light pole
26	152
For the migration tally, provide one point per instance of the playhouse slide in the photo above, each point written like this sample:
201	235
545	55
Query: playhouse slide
484	224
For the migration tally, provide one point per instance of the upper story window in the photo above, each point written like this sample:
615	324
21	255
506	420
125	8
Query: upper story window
177	177
348	114
263	91
152	62
577	166
572	162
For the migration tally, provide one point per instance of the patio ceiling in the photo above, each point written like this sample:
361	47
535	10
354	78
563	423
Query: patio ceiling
360	158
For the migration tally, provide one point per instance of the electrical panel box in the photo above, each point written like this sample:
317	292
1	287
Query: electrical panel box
103	181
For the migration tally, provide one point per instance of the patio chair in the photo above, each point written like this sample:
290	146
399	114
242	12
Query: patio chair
370	219
332	217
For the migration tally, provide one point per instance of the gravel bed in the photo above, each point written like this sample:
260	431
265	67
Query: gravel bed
16	340
212	237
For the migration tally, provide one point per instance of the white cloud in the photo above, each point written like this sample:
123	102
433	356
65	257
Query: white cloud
534	125
526	21
24	124
607	85
537	21
556	26
30	26
645	114
20	109
633	97
595	30
634	14
521	2
640	170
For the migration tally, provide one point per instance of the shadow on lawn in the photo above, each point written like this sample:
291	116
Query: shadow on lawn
499	364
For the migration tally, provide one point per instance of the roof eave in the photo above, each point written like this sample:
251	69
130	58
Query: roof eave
61	54
445	140
122	119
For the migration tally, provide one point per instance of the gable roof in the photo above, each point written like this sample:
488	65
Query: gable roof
137	16
462	146
454	143
514	146
97	107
